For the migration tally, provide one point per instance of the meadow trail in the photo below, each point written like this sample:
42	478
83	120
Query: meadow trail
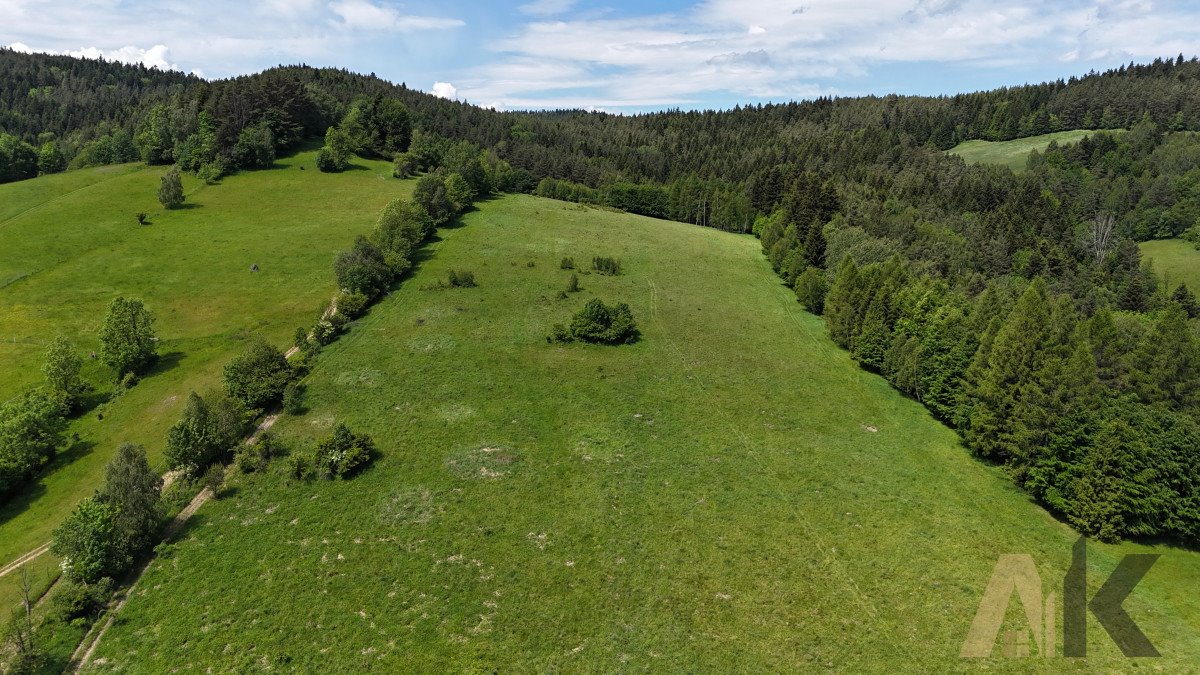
87	646
16	564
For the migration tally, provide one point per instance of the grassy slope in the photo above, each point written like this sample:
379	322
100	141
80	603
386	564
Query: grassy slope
72	244
1014	153
731	493
1175	260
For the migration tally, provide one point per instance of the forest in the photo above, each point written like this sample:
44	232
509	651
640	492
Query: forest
1015	307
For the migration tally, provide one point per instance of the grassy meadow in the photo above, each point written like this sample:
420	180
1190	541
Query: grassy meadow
1015	153
1176	261
731	493
70	243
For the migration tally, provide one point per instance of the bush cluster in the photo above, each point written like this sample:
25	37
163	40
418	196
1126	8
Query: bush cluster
605	265
599	323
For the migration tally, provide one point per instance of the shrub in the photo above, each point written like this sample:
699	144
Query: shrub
461	279
214	479
76	599
324	332
352	305
293	399
141	217
342	453
573	284
256	456
567	264
598	323
609	266
298	466
258	376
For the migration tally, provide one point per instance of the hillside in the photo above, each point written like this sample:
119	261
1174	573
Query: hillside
731	492
71	244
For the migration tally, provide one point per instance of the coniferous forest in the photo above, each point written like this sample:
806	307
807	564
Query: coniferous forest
1014	306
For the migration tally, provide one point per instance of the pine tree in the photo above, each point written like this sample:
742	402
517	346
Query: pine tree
839	304
1184	297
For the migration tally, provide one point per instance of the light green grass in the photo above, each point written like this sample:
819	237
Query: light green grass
1176	261
70	243
1015	153
729	494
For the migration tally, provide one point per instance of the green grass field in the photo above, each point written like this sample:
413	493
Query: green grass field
1015	153
1176	261
69	244
729	494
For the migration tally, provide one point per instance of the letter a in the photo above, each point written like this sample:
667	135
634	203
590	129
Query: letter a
1012	572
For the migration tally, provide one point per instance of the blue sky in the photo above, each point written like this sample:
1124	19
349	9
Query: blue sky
624	55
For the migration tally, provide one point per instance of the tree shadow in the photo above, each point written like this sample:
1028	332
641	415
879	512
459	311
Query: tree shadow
165	362
20	500
186	206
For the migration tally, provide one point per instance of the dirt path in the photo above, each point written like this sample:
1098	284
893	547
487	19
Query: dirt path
83	653
16	564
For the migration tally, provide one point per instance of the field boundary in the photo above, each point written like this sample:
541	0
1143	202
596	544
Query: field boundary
87	646
83	653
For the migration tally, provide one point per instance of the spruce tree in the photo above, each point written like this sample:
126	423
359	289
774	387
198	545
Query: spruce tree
839	304
1006	414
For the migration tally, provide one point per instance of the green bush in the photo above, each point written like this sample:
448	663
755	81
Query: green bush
352	305
252	457
573	284
214	479
342	453
599	323
293	399
461	279
258	376
76	599
567	264
609	266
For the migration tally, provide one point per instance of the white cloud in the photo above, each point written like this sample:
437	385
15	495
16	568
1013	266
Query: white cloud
444	90
356	14
154	57
546	7
766	49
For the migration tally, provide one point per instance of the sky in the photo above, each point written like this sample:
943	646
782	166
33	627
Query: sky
624	55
